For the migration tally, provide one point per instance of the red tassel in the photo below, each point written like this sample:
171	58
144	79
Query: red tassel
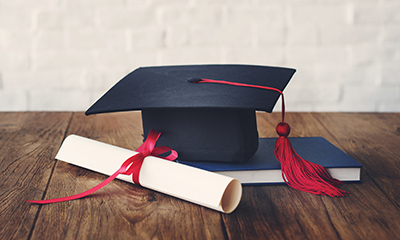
296	172
301	174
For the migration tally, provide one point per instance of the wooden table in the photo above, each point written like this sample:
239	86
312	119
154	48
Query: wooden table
29	142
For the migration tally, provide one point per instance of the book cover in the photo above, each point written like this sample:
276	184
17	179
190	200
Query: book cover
263	168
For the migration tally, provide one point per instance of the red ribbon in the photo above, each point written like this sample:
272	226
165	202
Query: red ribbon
131	166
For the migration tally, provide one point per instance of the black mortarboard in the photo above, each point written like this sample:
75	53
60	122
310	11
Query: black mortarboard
202	122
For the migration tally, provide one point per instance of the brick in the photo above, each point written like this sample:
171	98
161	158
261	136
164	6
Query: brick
58	19
14	19
220	2
15	59
313	94
91	39
391	34
177	35
199	15
304	75
50	40
269	36
326	74
362	54
164	2
327	107
59	100
125	60
19	41
2	40
332	56
147	38
391	74
389	52
62	59
367	12
302	93
31	4
121	18
100	80
189	55
366	97
346	107
56	79
51	19
301	55
140	3
97	3
390	11
13	100
294	106
323	14
354	34
264	15
213	35
314	55
366	74
260	55
304	34
391	106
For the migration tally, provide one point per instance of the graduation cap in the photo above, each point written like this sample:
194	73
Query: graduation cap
202	122
214	120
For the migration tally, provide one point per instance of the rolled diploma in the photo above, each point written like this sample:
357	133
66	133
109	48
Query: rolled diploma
198	186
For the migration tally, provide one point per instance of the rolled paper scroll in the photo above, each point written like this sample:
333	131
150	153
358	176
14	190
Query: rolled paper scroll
198	186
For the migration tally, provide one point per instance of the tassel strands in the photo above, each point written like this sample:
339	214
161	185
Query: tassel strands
301	174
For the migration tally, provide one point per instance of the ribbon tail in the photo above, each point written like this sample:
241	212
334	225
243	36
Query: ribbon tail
80	195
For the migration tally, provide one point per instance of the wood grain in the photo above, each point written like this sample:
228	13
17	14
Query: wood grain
29	142
374	140
120	210
285	213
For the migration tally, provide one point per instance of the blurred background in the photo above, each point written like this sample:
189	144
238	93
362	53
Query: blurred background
64	54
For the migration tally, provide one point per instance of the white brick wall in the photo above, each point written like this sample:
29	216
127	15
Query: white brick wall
64	54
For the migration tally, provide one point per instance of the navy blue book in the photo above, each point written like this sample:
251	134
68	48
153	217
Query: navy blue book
263	168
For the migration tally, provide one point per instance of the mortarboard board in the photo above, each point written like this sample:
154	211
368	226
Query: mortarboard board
215	122
202	122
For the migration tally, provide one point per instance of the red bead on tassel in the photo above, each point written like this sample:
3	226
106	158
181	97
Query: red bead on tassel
301	174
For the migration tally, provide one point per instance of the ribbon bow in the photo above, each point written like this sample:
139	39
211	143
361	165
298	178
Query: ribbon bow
131	166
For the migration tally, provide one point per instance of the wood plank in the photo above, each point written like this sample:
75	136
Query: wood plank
374	140
278	212
366	204
28	141
284	213
120	210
